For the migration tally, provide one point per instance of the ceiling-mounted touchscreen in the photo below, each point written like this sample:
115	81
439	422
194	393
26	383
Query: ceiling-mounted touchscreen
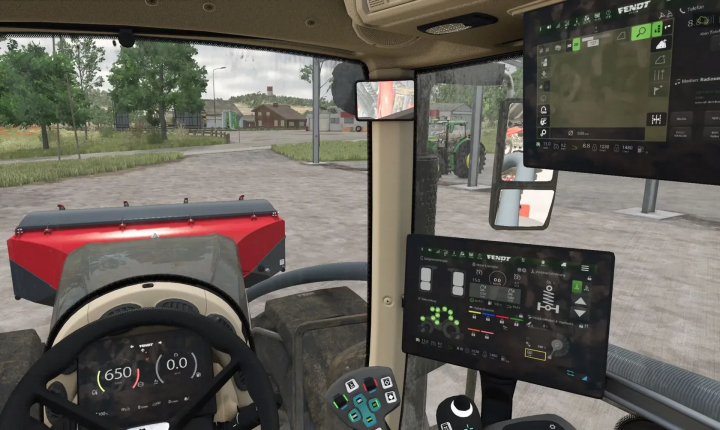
144	378
628	88
532	313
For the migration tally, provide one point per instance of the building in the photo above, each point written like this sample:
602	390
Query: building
336	119
247	118
278	116
451	111
213	112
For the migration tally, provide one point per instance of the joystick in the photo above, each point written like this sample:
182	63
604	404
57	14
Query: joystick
458	413
362	398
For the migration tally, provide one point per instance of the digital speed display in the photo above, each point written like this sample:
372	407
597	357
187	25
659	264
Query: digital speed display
532	313
135	379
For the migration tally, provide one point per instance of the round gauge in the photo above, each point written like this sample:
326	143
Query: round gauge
117	375
175	366
559	346
497	278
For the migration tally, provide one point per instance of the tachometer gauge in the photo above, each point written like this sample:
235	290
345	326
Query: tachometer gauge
176	365
117	375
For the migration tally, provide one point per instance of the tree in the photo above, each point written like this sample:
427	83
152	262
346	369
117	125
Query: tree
493	96
32	83
306	73
155	76
86	57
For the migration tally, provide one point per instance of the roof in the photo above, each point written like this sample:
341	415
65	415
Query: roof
449	106
220	105
284	111
244	109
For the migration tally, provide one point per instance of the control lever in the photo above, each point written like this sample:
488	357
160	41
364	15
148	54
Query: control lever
458	413
363	398
247	417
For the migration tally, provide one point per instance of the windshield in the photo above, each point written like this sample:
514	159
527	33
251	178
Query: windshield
166	141
663	299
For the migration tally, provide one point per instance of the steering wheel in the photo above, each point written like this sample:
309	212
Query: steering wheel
32	387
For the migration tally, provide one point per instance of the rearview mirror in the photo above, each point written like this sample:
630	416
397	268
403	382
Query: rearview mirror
522	197
385	100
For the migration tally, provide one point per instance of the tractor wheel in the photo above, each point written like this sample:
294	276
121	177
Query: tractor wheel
462	160
358	128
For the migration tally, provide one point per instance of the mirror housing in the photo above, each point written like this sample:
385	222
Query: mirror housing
524	200
385	100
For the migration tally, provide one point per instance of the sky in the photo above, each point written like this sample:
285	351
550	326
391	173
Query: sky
247	71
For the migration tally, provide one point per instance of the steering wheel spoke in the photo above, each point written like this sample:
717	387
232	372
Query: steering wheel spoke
208	392
68	409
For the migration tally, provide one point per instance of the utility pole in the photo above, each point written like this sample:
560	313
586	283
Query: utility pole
316	110
215	110
57	114
476	129
72	114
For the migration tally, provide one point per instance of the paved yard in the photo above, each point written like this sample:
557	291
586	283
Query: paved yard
666	301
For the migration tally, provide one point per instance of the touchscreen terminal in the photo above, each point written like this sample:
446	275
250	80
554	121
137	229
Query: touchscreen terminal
628	88
532	313
135	379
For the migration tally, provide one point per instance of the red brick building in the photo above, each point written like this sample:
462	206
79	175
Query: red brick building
278	116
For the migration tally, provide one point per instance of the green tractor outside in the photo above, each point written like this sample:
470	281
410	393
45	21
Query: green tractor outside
451	142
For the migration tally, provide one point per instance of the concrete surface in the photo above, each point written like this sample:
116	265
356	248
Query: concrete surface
666	301
657	214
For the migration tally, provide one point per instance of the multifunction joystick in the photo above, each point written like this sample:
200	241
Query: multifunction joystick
458	413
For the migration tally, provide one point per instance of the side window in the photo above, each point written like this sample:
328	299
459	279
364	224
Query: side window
196	141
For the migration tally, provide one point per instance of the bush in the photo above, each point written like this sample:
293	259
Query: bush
153	137
330	150
107	132
180	132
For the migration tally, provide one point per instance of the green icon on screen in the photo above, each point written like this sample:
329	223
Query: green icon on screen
576	286
657	29
576	44
640	32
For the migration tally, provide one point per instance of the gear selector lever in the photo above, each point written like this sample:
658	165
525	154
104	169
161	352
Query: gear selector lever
458	413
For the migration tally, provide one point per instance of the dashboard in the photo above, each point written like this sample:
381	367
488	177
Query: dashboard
133	379
624	88
532	313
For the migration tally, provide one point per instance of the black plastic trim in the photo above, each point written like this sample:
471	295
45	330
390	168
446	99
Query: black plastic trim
178	305
120	309
62	319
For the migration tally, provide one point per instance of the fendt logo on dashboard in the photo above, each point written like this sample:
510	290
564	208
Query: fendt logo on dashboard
498	257
633	7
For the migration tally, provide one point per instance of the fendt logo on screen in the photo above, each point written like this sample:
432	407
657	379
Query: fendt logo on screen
498	257
633	7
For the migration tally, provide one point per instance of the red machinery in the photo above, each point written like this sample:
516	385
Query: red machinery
43	240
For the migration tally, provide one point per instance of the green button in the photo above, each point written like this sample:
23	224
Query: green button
374	405
450	311
657	29
437	322
444	308
354	416
432	308
577	286
422	318
457	322
576	44
640	32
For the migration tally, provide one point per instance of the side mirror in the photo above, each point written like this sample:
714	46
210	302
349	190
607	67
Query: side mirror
385	100
522	197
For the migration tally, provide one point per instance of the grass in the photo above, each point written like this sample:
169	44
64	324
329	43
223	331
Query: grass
330	150
15	174
16	144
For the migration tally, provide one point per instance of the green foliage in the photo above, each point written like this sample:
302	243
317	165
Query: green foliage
330	150
85	57
32	84
18	144
12	175
492	98
154	76
256	99
306	73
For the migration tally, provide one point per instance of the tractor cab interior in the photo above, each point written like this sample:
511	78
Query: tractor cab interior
398	214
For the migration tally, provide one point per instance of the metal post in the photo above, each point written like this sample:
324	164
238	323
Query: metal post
214	109
475	128
471	383
316	110
650	196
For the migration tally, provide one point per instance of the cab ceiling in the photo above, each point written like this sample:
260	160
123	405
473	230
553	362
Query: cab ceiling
284	24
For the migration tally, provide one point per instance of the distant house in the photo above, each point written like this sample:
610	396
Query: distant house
248	116
278	116
213	112
451	111
336	119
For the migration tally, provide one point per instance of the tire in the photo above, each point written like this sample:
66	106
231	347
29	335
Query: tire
358	128
462	168
442	166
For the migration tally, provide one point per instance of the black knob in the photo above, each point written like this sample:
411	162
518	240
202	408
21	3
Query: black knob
458	412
